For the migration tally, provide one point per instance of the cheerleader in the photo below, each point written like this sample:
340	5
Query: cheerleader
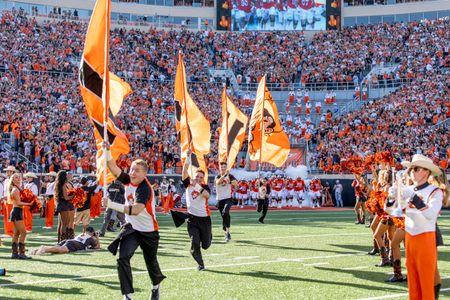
16	216
63	205
69	185
441	182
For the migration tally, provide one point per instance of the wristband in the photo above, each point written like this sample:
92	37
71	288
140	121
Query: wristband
198	187
188	160
129	209
116	206
201	191
108	155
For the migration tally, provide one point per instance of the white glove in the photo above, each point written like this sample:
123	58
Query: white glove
407	193
198	187
392	192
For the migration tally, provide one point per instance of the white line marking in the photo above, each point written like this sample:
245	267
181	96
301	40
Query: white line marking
216	254
301	236
354	268
316	264
181	269
247	257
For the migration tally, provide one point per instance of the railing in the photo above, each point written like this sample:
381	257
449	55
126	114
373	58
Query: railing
445	124
29	165
8	138
390	83
310	86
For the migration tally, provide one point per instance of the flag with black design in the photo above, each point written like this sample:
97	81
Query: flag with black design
102	91
193	129
267	140
232	132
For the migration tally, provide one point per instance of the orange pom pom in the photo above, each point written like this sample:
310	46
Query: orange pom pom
399	222
27	196
369	161
80	197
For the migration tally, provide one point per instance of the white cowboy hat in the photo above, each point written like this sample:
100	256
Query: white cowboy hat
51	174
11	168
420	160
30	174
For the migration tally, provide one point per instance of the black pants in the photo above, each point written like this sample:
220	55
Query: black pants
110	214
200	233
148	241
263	205
224	207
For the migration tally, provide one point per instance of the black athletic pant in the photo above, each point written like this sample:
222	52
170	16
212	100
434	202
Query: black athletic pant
111	214
224	207
148	241
263	205
200	233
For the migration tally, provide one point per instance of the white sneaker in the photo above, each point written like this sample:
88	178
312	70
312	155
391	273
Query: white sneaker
5	236
40	251
47	227
242	206
92	219
29	231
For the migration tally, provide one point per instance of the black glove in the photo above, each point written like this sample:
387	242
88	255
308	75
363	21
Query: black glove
417	202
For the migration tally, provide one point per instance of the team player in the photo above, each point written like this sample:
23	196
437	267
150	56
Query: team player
244	192
289	185
224	184
141	229
314	191
307	11
299	189
258	18
292	15
281	8
199	224
279	185
234	14
244	12
254	192
268	12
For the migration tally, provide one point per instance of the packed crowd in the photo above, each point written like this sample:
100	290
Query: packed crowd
37	74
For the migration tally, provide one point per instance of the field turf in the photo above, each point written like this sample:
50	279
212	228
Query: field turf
296	255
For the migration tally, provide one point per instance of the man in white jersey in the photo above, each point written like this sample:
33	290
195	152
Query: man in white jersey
223	182
199	223
141	228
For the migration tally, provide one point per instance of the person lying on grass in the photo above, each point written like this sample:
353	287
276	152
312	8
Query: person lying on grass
84	241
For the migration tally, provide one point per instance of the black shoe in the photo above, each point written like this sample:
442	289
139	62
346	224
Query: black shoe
156	293
367	226
261	222
200	268
384	263
227	237
127	297
373	252
101	235
110	229
394	279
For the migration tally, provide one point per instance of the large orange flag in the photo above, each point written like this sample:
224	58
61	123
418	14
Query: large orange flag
193	129
268	143
232	132
102	91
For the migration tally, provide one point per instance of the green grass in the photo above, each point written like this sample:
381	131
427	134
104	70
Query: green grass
271	261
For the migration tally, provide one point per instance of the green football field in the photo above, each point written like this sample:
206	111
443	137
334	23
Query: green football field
295	255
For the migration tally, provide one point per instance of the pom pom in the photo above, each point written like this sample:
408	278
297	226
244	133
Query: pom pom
369	161
27	196
399	222
80	197
123	162
384	157
375	204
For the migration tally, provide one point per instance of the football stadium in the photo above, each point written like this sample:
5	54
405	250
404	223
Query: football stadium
228	149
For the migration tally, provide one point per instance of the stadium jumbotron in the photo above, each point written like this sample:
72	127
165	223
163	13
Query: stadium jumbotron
269	127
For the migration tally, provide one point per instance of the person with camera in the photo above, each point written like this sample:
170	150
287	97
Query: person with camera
114	191
83	213
84	241
141	228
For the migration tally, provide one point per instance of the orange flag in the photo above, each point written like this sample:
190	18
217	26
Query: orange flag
102	91
268	143
193	129
232	132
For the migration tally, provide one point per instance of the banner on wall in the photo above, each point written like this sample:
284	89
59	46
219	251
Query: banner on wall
295	158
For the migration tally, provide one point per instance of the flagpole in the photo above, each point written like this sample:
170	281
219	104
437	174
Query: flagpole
185	112
262	128
226	116
106	93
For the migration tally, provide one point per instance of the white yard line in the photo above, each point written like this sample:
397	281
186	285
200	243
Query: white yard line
354	268
179	269
247	257
317	264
